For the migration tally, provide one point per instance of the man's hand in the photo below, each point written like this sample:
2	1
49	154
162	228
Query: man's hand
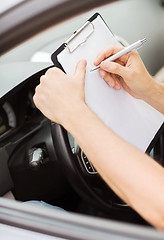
59	96
130	71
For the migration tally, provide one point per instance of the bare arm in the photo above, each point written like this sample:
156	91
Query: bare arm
134	176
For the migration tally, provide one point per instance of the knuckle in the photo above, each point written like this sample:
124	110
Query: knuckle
35	100
49	71
56	70
53	70
42	79
36	89
114	67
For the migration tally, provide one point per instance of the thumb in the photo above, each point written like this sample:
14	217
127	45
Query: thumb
80	69
113	67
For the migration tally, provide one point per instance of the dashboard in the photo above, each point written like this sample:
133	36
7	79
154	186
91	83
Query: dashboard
16	109
7	118
28	164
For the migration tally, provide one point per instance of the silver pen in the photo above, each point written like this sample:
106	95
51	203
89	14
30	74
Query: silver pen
124	51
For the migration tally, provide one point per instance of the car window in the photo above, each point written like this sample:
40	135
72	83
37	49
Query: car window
8	4
130	25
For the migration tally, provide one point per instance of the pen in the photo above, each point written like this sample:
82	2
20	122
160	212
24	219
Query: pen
126	50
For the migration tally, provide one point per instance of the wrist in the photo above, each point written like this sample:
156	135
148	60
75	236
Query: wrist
74	116
155	97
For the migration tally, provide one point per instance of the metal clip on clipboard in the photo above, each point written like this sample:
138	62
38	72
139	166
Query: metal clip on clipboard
76	33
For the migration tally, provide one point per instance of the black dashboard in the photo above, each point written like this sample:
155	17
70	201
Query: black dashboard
17	108
24	134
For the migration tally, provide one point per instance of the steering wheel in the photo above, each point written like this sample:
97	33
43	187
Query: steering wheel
82	175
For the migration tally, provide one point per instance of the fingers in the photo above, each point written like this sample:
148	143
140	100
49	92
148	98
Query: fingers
110	79
108	52
110	73
35	97
112	67
116	80
80	69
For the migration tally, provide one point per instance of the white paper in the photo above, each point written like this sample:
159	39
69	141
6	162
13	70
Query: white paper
132	119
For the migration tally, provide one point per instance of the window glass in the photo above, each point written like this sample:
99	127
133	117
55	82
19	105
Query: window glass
124	18
7	4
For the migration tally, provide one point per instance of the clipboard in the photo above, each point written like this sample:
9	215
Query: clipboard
133	120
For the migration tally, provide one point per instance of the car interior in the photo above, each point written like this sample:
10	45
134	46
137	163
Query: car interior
40	160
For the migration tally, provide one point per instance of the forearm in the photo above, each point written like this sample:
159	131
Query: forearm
156	97
135	177
125	169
